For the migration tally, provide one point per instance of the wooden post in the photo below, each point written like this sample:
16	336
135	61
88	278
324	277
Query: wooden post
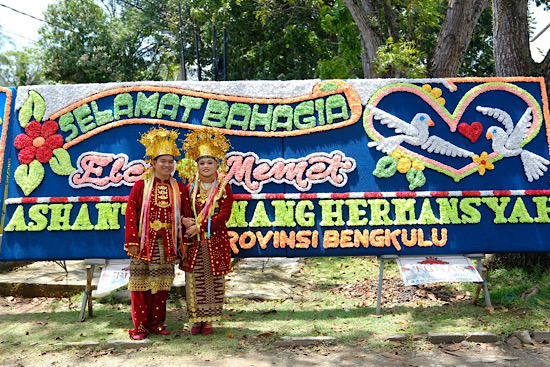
89	288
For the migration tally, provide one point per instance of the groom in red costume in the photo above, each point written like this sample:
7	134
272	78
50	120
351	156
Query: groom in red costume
154	214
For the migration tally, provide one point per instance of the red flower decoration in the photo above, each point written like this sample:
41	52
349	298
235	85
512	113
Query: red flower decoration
39	142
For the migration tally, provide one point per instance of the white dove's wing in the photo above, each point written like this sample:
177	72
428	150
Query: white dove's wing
437	145
518	134
387	145
499	115
392	121
533	165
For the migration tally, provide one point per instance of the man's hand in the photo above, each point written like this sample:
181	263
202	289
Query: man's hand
133	251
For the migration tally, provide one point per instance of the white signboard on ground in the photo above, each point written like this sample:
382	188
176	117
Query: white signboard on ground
429	269
113	276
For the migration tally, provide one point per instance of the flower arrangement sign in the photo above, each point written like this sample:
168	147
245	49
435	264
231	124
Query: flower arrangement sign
318	167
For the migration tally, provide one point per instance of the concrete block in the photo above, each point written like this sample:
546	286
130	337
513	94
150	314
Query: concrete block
481	337
513	341
541	336
82	344
128	344
524	336
287	341
397	338
445	338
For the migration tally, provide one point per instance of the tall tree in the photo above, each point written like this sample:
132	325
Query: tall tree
511	40
22	67
107	41
441	30
512	58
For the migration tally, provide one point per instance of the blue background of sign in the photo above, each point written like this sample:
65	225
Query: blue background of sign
486	236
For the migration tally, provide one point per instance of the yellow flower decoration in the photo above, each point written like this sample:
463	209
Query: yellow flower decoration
483	163
418	166
395	154
436	93
404	165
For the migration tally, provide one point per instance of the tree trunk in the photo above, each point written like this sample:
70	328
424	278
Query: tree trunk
511	38
454	37
367	17
513	58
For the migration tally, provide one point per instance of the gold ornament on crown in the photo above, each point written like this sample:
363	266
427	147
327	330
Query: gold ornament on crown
203	143
159	141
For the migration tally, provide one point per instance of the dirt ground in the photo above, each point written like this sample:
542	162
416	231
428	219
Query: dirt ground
478	355
423	354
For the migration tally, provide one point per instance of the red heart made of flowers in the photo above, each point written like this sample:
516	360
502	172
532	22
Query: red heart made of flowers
472	132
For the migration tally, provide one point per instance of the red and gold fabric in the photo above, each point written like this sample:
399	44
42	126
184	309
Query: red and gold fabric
204	291
219	250
162	196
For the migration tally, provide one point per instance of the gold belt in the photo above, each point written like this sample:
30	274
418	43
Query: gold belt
157	225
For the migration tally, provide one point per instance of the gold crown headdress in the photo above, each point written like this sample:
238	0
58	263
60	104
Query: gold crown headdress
159	141
203	143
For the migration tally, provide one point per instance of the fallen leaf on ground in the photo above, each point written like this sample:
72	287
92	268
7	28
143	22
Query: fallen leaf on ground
265	333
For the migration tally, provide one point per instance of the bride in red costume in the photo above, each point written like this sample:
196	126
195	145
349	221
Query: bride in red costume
209	255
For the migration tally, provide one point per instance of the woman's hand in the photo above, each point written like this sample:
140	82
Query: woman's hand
191	231
187	222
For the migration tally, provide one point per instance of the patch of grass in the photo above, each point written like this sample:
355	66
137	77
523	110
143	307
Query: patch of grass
315	309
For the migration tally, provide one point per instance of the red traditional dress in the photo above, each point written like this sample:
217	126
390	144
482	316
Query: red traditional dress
208	258
155	228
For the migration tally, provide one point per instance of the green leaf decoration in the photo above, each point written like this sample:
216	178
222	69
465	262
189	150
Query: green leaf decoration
60	163
39	105
416	178
25	113
327	87
385	167
29	177
33	106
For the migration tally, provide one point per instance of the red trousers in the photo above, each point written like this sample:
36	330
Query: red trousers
148	311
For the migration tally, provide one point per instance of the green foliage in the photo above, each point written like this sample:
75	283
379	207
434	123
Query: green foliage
278	39
402	58
344	61
21	67
91	43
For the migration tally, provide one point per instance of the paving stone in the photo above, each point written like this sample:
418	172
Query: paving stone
445	338
524	336
129	344
287	341
481	337
541	336
513	341
82	344
397	338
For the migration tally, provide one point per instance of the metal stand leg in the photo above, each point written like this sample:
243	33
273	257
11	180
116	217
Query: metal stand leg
380	280
87	299
479	266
